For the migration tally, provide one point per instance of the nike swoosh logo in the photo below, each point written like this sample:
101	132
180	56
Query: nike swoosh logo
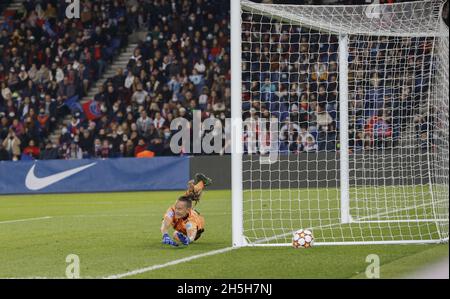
34	183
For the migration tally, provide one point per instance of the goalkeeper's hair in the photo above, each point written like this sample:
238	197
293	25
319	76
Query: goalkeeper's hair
194	197
187	199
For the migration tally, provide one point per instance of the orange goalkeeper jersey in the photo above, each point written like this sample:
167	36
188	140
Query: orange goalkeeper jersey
192	221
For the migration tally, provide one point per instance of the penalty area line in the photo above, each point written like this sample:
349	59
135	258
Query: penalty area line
172	263
24	220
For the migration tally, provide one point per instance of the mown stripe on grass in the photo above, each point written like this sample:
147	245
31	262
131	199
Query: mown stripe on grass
406	265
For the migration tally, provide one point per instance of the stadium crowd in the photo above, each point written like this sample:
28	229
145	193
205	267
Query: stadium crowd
291	73
48	63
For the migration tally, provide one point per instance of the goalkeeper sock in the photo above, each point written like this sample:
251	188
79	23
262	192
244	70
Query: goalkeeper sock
203	178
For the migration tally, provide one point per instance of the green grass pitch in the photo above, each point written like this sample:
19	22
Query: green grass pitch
114	233
379	214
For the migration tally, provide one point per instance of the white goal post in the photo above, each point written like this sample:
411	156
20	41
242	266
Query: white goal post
359	95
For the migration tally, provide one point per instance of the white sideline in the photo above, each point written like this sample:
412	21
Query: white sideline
32	277
175	262
23	220
437	270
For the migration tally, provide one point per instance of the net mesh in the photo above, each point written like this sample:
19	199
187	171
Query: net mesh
397	122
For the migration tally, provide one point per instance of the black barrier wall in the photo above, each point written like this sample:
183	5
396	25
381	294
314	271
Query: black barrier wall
317	170
218	168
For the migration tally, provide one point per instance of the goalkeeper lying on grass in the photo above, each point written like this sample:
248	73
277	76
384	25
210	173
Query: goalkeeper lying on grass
185	220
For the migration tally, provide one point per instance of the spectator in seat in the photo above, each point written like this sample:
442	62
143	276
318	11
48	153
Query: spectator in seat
17	127
97	148
12	144
73	152
65	135
50	110
143	124
51	152
157	143
106	151
32	150
119	78
166	141
294	115
379	130
203	99
85	143
43	120
197	80
140	96
304	134
323	118
326	139
289	131
311	145
6	91
129	80
115	140
25	107
159	121
140	147
121	152
75	124
111	96
4	127
297	146
129	149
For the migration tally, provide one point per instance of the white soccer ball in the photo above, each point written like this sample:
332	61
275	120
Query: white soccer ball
302	238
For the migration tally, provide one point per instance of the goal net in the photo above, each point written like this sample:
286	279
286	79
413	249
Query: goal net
345	130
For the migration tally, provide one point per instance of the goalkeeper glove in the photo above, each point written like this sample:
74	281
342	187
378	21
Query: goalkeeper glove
167	240
183	239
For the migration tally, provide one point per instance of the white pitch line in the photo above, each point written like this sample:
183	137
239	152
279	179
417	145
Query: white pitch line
175	262
24	220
